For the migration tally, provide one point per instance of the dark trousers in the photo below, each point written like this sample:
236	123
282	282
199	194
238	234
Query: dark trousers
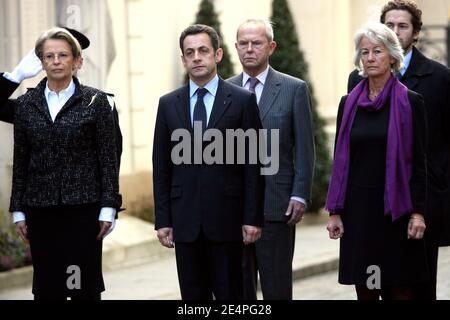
208	269
63	245
428	290
272	257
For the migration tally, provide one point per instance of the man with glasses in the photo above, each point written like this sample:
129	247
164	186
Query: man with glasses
284	105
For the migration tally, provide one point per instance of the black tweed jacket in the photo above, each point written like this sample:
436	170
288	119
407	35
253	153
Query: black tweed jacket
67	162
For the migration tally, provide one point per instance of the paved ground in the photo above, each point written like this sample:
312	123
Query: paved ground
325	286
315	253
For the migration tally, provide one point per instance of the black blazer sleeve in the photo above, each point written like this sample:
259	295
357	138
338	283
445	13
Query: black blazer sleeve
419	175
20	163
7	105
353	79
339	119
106	150
338	127
254	181
162	168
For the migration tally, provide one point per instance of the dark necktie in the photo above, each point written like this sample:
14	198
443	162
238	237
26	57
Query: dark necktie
200	109
253	83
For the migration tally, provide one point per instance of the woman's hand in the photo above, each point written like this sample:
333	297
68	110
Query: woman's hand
104	228
416	226
21	228
335	227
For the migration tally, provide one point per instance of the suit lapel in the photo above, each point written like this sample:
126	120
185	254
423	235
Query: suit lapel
183	106
237	80
39	101
271	89
71	102
221	103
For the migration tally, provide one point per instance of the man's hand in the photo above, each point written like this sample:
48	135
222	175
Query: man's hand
250	234
335	227
416	226
165	236
21	228
296	210
28	67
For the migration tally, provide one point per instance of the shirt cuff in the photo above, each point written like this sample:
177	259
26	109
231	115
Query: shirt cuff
107	214
299	200
18	216
11	77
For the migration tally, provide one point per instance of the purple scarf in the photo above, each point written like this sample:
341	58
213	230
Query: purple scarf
397	196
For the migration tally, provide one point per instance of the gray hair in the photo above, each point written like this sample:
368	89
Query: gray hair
59	34
378	33
267	25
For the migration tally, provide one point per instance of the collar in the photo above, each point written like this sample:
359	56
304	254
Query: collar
406	62
69	91
211	86
262	77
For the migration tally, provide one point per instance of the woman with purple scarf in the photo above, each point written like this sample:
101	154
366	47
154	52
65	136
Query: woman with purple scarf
377	190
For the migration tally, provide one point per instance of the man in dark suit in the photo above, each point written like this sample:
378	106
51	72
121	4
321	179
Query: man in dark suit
284	105
206	210
432	80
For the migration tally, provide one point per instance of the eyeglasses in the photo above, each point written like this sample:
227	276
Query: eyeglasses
50	57
243	45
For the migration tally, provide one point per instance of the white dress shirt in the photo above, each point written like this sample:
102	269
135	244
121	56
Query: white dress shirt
406	62
208	99
260	86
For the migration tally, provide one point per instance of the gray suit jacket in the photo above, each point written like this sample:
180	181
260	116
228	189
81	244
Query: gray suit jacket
285	105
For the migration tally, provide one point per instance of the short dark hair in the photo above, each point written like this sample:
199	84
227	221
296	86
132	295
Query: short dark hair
200	28
405	5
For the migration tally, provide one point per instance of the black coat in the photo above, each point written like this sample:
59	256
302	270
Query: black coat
370	237
432	80
70	161
7	111
217	198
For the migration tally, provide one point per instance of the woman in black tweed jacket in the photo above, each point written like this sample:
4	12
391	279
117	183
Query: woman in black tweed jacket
65	175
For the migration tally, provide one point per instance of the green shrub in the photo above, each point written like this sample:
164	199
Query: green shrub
14	252
289	58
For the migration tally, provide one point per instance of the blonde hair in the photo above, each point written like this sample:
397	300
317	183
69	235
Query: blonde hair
61	34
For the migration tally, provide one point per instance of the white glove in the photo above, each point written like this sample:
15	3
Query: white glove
28	67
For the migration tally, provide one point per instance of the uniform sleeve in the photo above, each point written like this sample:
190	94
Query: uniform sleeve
7	106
